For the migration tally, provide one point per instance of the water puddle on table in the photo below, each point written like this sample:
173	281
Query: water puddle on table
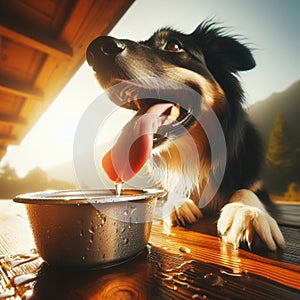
177	274
18	274
174	276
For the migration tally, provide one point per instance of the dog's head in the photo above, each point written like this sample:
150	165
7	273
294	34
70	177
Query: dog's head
159	69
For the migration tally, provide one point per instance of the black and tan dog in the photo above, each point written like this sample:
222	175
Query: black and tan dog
207	62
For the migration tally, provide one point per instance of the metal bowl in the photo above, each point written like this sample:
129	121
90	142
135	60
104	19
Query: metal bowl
90	227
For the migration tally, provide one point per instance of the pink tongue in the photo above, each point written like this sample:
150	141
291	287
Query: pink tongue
134	145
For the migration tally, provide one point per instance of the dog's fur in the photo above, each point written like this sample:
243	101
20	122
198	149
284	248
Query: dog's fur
206	60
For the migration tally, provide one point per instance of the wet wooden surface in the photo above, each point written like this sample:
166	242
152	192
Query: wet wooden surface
189	263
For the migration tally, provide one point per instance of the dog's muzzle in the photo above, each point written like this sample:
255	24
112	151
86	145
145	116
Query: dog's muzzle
103	50
107	56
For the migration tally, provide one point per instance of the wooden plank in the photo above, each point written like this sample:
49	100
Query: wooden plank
20	89
76	18
9	139
15	235
84	22
287	214
211	249
2	150
34	39
180	276
12	120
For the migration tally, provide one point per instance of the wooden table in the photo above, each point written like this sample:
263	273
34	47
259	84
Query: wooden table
188	263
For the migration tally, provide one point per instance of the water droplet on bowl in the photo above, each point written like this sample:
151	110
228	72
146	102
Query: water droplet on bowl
133	208
125	241
92	230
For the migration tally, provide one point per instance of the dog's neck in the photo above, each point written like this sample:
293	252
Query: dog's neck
178	167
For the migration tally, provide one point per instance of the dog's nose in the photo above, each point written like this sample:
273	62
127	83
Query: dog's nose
103	46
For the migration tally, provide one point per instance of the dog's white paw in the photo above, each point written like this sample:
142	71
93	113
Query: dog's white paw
181	212
239	222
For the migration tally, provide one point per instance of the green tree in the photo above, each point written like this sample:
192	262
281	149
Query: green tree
7	172
292	193
280	151
280	157
36	180
8	180
296	169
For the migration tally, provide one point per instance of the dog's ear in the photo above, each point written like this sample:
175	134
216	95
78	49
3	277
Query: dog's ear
219	48
232	53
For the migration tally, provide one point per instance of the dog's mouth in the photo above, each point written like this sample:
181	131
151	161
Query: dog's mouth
163	113
176	121
176	106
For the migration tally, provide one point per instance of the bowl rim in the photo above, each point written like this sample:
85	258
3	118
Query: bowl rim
88	196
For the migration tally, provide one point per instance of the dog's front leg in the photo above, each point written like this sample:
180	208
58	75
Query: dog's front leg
179	210
244	217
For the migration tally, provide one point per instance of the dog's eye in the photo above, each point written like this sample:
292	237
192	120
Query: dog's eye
173	45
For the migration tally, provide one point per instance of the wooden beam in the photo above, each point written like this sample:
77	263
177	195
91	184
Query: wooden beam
11	120
2	151
20	89
9	139
32	38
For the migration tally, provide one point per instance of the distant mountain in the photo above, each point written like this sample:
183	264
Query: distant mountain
286	103
277	118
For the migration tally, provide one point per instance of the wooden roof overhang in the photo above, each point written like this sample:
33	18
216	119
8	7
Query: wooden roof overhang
42	45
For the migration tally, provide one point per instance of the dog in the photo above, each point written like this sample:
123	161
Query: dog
179	77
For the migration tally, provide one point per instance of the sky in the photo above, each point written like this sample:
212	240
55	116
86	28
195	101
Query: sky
270	27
